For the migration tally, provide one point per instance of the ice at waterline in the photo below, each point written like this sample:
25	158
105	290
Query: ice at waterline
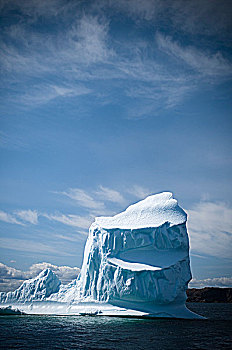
136	263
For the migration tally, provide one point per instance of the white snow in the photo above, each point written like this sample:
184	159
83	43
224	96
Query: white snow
153	211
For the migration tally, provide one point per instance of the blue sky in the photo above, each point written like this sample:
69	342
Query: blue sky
103	103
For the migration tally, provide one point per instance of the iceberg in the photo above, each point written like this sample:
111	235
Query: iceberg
135	263
139	259
38	288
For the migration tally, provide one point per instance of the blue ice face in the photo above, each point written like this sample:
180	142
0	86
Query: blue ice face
160	247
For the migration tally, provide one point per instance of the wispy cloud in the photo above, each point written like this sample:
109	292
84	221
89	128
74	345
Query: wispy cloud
70	220
65	58
74	237
204	62
84	41
139	191
25	216
88	39
30	216
211	282
110	195
210	229
42	94
6	217
30	246
94	201
83	198
71	61
137	9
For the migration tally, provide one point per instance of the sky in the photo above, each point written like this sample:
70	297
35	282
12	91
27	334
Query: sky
103	103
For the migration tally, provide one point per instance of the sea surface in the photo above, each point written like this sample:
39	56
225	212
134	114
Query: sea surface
86	332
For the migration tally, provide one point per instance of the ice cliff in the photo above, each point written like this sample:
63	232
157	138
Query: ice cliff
135	261
38	288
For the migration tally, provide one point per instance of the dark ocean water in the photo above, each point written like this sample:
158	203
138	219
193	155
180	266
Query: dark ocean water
85	332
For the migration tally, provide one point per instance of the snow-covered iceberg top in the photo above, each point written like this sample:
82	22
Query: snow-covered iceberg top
153	211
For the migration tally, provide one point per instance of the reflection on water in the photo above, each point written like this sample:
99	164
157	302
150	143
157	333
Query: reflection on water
78	332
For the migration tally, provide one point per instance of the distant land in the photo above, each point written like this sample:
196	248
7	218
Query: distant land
209	295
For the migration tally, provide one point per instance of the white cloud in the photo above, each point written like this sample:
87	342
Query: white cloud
9	218
66	55
42	94
79	48
83	198
84	50
210	229
203	62
10	272
30	216
109	194
11	278
138	9
27	216
198	16
100	201
71	220
30	246
211	282
139	191
80	235
154	82
82	43
88	39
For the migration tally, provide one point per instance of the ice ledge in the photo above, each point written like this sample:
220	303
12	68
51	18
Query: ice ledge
133	266
153	211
